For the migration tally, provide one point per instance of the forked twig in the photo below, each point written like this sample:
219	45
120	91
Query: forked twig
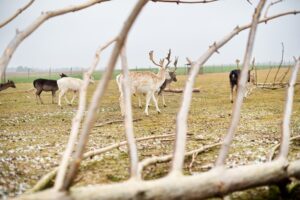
268	7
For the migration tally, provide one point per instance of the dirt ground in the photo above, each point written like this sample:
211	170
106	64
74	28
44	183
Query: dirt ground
33	136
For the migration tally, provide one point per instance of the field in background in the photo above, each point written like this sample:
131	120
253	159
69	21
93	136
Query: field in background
27	77
33	137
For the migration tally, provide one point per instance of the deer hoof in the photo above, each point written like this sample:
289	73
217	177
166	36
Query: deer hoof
165	105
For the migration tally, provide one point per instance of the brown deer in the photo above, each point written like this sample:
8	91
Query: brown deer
146	82
4	86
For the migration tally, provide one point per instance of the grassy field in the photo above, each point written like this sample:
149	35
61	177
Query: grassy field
28	77
33	136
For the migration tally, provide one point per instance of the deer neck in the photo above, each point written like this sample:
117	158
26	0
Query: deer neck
161	77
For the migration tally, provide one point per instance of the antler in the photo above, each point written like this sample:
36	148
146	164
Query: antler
175	63
168	58
151	58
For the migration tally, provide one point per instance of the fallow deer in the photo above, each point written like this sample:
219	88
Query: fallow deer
234	77
146	82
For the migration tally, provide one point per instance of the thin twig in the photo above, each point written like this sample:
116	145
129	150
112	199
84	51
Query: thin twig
98	94
285	135
241	87
167	158
275	147
114	121
281	61
18	12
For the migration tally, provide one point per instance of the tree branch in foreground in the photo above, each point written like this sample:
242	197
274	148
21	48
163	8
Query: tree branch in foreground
216	182
126	100
241	87
19	11
76	122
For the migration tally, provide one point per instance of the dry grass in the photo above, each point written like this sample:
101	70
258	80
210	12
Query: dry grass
32	137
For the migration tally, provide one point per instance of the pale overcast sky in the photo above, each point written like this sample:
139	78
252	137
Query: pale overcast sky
188	29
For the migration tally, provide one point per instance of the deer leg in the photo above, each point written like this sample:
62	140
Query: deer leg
148	98
74	96
163	99
53	96
140	103
231	91
155	102
61	94
38	93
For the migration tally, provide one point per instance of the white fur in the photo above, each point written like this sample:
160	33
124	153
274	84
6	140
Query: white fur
66	84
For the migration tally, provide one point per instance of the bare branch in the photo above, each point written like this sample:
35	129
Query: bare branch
77	119
126	95
241	87
275	147
268	7
284	148
19	11
180	1
167	158
281	61
199	186
21	35
98	94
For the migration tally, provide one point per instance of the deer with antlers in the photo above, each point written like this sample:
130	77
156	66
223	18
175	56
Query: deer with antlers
147	82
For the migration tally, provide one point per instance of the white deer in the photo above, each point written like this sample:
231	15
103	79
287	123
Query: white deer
146	82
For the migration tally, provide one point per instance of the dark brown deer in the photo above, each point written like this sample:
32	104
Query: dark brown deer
47	86
234	77
4	86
